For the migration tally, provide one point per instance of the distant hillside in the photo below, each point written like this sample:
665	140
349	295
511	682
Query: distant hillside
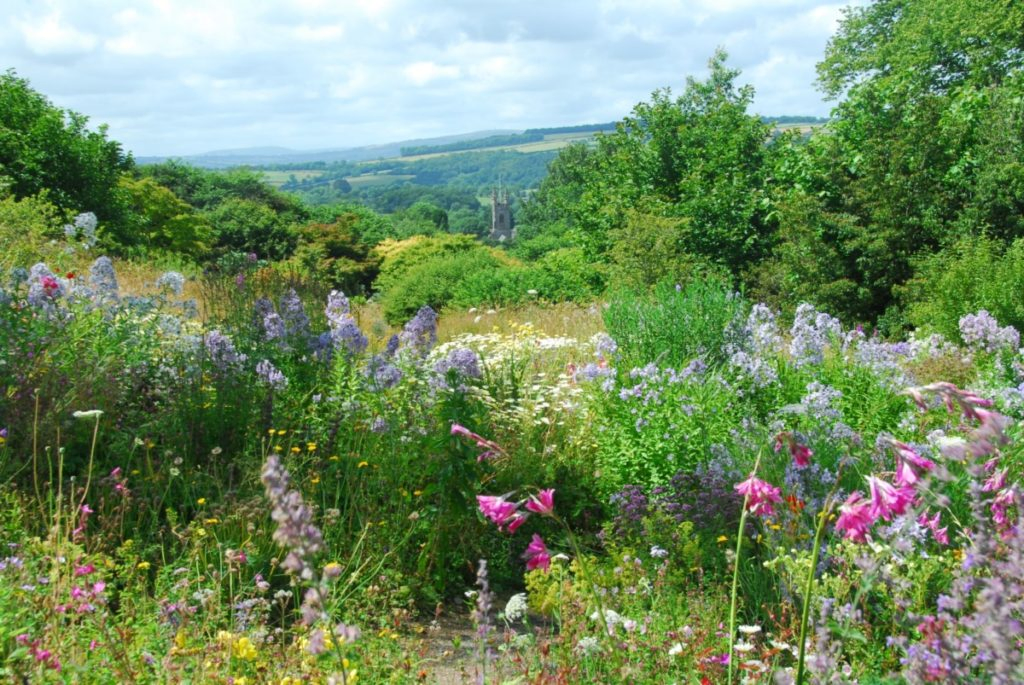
526	141
272	156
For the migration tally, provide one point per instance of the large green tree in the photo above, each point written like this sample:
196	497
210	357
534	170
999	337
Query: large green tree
697	159
923	148
46	148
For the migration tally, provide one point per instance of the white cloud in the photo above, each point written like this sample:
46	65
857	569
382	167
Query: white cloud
423	73
182	76
50	35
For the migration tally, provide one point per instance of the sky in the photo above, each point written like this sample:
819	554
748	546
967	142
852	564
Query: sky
179	77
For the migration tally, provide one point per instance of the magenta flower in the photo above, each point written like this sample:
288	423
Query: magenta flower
513	523
887	500
941	535
995	482
490	448
543	503
910	465
801	454
855	518
497	509
760	496
537	555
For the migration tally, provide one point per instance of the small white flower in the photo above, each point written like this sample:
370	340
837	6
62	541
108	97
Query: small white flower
743	647
676	649
515	609
90	414
588	645
749	630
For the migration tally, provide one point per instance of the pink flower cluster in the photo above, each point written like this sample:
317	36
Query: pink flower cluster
43	656
508	517
801	453
760	496
489	448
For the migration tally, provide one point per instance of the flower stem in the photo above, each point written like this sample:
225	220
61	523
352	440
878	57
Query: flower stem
809	588
736	575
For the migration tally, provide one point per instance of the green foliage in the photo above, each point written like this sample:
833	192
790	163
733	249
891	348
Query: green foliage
250	226
672	325
975	273
26	228
399	257
45	148
697	158
332	253
433	281
163	222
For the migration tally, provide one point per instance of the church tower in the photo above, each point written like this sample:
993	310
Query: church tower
501	216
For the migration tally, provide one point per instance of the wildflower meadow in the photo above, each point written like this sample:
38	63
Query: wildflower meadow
265	484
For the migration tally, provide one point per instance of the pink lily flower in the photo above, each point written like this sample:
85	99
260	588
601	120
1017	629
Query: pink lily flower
855	518
543	503
888	500
760	495
537	555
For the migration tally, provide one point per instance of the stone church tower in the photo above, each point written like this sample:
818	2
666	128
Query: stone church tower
501	217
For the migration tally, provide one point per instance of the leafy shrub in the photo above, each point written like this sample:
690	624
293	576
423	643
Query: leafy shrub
674	324
434	282
26	228
975	273
251	226
333	254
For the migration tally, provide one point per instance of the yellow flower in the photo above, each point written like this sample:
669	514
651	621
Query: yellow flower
334	457
311	446
244	649
722	538
281	432
362	464
211	521
201	501
417	493
277	448
179	639
295	450
135	472
143	566
201	532
314	480
270	431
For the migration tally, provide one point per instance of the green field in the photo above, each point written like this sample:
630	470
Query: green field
279	178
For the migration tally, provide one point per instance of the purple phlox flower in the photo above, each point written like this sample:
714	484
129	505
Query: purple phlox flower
460	364
295	530
981	332
294	314
810	335
271	376
382	373
103	279
420	333
221	351
337	308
